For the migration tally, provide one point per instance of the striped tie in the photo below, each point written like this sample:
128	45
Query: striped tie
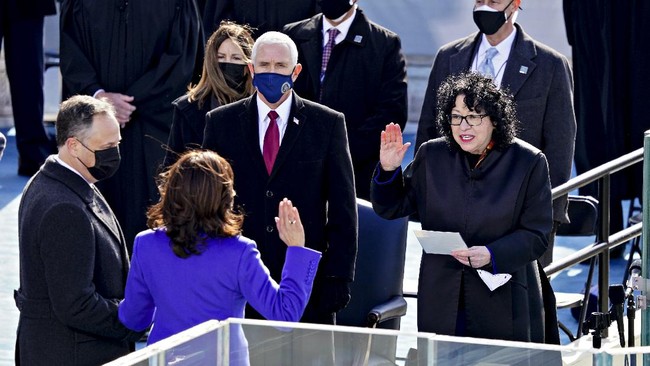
327	52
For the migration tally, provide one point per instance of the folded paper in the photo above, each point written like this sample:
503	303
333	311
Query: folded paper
494	281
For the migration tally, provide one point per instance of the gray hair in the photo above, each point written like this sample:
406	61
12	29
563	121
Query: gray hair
76	114
272	37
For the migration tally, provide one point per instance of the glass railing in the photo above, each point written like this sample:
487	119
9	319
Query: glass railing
256	342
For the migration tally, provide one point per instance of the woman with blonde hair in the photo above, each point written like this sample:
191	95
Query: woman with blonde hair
225	79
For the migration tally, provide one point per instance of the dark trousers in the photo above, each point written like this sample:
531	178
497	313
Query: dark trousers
23	44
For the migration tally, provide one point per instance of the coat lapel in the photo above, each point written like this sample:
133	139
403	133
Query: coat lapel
250	131
359	31
89	196
296	121
461	61
311	50
520	65
103	213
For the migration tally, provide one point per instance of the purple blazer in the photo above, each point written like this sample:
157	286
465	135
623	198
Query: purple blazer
177	294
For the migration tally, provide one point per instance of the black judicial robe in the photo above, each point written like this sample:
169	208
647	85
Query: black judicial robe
264	15
146	49
611	49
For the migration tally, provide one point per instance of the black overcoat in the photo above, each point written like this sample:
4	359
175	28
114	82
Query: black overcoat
313	169
188	124
540	80
145	49
505	205
365	80
36	8
73	269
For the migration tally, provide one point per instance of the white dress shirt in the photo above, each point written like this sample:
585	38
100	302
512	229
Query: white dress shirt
500	60
283	111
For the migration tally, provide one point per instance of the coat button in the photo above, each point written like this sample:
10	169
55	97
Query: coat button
269	194
269	229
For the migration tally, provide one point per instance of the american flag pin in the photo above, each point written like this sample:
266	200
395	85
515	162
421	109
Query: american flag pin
523	70
296	121
358	38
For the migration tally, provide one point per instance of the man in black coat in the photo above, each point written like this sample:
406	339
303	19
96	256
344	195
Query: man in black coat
364	78
311	167
73	259
21	28
538	77
140	55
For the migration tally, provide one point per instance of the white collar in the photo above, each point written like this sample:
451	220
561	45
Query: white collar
283	110
503	47
58	159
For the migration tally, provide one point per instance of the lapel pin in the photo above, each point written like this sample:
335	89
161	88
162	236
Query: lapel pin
523	70
296	121
358	38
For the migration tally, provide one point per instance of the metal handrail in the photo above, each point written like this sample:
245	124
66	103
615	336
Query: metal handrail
598	172
604	241
585	253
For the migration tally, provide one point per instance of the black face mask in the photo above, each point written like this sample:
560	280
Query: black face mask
235	75
333	9
106	162
489	22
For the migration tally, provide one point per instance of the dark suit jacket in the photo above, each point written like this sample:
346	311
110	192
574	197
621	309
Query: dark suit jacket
543	94
365	80
73	269
313	169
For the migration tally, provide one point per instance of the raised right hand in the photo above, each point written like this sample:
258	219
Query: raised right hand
289	225
121	103
392	150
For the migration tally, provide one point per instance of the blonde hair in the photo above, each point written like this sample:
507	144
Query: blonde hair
212	80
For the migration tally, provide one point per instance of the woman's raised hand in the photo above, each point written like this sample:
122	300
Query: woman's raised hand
392	150
289	225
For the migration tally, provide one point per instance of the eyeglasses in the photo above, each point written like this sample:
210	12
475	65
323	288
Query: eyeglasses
471	119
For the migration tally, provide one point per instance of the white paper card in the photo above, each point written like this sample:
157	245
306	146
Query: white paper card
439	242
494	281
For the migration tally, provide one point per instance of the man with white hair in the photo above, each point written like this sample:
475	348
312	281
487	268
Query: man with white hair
281	145
538	77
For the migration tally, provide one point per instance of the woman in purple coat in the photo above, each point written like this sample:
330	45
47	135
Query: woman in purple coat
194	265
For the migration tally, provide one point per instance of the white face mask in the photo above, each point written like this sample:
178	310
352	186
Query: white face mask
485	8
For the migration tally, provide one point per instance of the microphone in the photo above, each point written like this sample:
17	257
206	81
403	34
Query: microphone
635	272
617	298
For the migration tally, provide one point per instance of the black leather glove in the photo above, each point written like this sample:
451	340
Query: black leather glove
334	294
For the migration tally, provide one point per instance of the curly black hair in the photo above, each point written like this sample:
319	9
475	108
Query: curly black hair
196	202
481	96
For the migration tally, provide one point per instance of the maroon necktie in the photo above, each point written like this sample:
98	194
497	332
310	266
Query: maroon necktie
327	52
271	142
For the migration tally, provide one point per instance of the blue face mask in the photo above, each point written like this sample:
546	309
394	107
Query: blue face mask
273	86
